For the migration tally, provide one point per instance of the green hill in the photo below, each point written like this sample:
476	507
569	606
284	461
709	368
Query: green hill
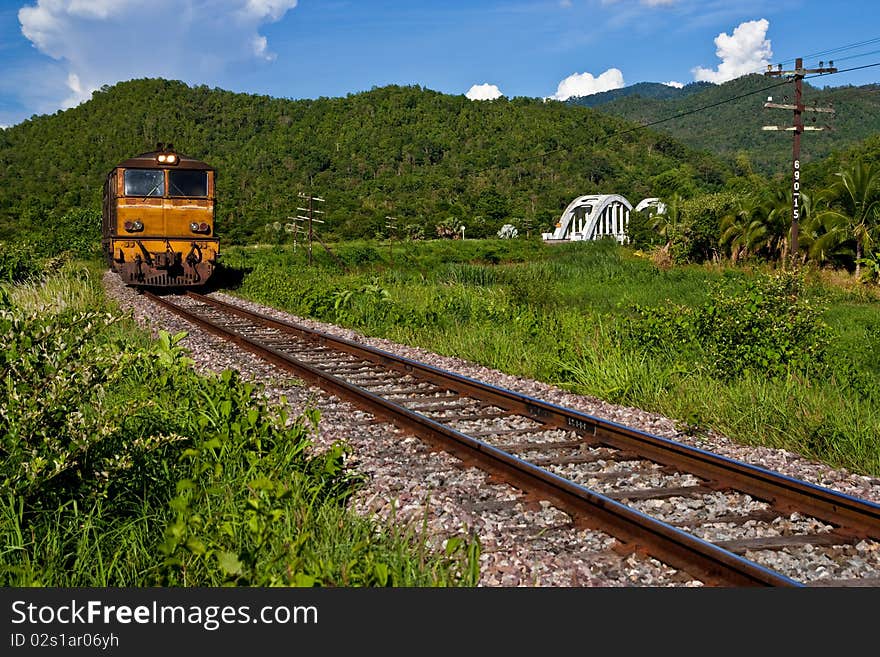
652	90
735	127
824	170
416	154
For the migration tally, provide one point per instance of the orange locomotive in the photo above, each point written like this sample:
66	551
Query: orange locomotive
158	226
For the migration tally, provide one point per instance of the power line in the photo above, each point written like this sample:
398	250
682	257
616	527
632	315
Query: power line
862	54
640	127
833	51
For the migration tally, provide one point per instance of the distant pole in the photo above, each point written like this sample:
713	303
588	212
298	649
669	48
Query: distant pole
797	128
310	218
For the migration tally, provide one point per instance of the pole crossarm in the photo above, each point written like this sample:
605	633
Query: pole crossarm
791	128
799	70
804	108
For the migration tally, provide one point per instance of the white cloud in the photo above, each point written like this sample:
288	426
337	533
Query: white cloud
74	85
261	48
101	42
584	84
271	9
673	83
484	91
747	50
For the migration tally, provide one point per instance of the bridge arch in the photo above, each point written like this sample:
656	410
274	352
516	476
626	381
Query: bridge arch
657	206
593	217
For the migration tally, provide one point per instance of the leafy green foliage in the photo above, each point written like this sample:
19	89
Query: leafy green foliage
765	327
644	90
18	262
418	154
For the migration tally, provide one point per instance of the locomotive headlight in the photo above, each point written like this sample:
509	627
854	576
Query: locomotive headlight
171	158
194	227
133	226
162	157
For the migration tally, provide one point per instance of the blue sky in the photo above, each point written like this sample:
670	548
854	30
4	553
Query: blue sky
53	53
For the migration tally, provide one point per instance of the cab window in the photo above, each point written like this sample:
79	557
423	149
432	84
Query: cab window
144	182
187	182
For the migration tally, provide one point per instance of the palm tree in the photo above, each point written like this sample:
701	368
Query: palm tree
736	228
853	206
777	210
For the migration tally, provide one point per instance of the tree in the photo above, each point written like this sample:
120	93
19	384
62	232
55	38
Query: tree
776	215
852	213
738	226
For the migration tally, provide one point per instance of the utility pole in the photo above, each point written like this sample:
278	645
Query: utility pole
310	218
797	128
391	226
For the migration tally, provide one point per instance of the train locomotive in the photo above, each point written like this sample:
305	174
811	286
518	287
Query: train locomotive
158	220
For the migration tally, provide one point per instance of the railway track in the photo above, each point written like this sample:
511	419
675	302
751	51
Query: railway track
605	476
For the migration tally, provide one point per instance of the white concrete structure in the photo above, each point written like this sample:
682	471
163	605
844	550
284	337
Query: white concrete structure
593	217
658	206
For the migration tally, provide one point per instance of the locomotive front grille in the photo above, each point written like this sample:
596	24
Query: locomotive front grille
164	280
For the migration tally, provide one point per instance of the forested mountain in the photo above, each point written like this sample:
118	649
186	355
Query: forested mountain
823	173
735	127
415	154
653	90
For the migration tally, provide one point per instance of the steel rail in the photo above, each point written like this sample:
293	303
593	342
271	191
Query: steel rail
637	531
853	516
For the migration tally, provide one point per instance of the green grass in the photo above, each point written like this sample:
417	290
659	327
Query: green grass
561	314
123	467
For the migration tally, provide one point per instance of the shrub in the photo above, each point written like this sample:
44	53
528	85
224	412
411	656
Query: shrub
18	263
768	327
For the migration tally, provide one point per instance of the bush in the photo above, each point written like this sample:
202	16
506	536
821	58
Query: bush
18	263
769	327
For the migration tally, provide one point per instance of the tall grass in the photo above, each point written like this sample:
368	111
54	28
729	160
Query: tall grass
561	314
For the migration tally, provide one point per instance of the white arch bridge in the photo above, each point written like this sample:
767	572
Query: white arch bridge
593	217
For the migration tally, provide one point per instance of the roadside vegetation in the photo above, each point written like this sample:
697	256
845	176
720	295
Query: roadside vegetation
121	466
763	355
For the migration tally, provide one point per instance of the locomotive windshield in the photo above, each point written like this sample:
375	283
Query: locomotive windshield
187	182
144	182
